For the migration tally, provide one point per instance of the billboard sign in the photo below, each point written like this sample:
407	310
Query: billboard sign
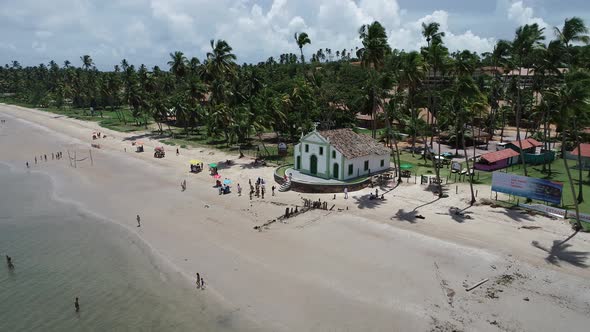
524	186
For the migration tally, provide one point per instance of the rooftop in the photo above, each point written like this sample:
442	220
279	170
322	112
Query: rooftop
495	156
527	143
353	145
584	148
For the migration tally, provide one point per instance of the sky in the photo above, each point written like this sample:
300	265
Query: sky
146	31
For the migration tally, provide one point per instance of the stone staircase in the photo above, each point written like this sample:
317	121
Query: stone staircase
285	186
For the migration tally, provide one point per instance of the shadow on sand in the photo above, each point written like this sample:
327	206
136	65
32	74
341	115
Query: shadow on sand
559	253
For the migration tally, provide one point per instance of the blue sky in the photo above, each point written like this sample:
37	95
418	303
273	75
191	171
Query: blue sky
145	31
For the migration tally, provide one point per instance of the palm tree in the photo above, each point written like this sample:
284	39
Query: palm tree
178	64
574	31
527	38
86	61
571	100
220	61
67	64
375	48
411	75
302	39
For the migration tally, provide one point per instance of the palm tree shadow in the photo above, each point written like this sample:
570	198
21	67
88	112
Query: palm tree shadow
559	253
427	203
406	216
364	202
459	215
515	215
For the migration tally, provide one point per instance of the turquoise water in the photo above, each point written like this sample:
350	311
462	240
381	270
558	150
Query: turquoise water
60	253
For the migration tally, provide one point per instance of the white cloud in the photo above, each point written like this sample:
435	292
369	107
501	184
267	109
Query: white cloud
521	14
145	31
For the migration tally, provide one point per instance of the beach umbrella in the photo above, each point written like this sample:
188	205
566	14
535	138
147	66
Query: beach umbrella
216	176
406	166
213	165
227	181
195	162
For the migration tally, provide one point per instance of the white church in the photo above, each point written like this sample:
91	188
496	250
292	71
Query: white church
340	154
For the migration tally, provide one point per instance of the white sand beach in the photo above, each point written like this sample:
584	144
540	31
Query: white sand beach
369	266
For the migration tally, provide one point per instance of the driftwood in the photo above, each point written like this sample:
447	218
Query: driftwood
477	285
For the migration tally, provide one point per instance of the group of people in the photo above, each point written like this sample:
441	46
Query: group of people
259	188
56	155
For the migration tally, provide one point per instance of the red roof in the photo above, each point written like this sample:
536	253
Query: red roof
584	147
493	157
527	143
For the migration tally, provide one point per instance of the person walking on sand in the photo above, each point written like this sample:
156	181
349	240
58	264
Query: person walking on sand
52	156
345	192
376	192
27	164
198	280
177	152
138	221
77	305
45	157
273	190
239	190
35	160
202	283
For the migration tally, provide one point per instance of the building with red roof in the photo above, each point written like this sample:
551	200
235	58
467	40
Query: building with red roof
582	150
492	161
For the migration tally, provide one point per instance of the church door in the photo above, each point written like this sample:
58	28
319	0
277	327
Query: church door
298	162
313	164
335	173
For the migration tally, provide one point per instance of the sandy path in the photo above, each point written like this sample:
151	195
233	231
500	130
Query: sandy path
361	269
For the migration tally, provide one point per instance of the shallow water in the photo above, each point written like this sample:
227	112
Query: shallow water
60	252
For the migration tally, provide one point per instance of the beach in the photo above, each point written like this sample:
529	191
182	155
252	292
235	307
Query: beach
366	265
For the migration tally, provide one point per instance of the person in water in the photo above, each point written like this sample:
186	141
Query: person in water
77	305
9	262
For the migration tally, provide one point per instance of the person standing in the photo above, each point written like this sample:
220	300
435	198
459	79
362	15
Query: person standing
177	152
198	281
376	192
239	190
345	192
202	283
138	221
27	164
77	305
35	160
273	190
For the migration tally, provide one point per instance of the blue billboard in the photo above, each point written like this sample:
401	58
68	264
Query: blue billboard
524	186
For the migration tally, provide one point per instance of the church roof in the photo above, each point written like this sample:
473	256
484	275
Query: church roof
353	145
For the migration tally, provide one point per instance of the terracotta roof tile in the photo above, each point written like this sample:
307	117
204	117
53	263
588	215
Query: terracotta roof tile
492	157
353	145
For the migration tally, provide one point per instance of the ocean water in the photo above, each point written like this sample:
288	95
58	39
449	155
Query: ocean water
60	252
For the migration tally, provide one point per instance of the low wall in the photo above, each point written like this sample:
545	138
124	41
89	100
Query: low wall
323	188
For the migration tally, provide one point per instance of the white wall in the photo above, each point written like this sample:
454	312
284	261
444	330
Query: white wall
359	165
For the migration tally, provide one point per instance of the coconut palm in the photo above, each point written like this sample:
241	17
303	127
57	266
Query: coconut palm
220	61
178	64
411	74
86	61
573	31
571	100
375	46
302	39
527	38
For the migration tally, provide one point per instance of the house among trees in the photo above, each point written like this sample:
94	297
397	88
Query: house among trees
340	154
529	145
492	161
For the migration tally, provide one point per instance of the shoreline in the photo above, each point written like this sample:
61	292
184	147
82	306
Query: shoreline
321	265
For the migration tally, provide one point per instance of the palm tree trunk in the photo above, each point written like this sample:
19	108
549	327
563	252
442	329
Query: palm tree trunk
468	169
580	180
570	180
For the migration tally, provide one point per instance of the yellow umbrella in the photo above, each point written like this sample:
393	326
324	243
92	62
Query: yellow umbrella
195	162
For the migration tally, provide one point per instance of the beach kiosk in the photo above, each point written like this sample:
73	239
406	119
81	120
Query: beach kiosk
159	152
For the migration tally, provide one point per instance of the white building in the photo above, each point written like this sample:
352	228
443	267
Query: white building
340	154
